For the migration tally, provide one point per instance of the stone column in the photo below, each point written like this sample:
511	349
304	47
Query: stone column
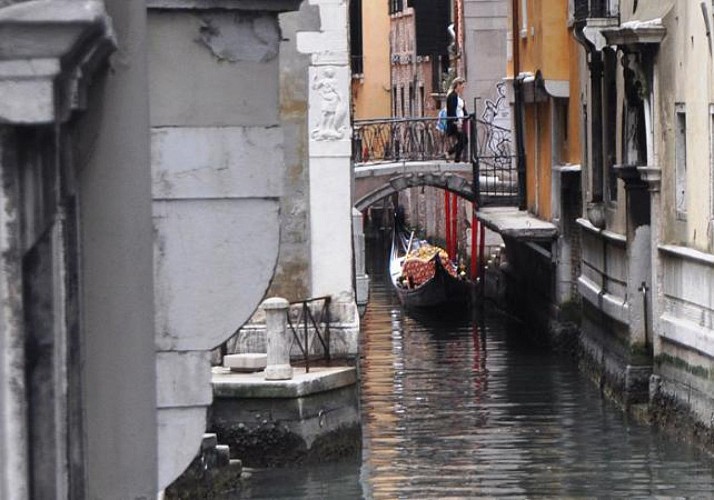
330	168
329	150
361	277
278	340
13	417
638	250
653	177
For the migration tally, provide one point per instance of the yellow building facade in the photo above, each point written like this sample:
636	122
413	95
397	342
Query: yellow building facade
371	84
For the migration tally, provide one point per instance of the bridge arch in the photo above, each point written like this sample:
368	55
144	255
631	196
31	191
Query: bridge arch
447	181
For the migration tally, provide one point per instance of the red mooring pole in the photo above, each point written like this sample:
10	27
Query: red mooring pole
454	226
474	243
447	220
482	249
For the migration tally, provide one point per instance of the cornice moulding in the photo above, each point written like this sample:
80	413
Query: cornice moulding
249	5
48	51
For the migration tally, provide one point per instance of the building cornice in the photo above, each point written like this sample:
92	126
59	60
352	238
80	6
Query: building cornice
49	50
257	5
636	33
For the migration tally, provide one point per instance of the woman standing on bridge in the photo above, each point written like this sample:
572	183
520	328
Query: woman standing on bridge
455	113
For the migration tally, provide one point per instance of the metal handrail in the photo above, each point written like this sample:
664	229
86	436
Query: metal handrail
399	139
304	319
497	180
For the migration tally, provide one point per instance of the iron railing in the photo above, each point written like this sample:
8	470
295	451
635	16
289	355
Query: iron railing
398	139
495	165
587	9
309	316
492	150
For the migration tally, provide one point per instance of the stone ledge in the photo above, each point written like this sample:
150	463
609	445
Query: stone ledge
227	384
264	5
517	224
48	53
615	307
245	362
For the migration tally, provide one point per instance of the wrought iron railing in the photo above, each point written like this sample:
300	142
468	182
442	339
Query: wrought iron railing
306	317
586	9
398	139
492	149
495	165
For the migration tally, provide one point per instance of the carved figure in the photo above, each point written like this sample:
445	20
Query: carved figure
332	115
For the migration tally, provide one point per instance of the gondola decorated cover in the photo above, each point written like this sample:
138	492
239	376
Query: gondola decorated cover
420	265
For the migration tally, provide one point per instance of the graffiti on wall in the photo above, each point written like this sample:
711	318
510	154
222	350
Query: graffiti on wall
496	124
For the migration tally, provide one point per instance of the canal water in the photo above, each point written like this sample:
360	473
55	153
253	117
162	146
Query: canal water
454	407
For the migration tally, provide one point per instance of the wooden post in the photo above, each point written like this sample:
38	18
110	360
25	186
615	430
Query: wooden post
447	219
454	226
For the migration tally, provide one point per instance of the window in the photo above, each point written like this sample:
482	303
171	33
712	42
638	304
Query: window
680	161
394	100
356	45
411	101
431	22
560	122
401	102
395	6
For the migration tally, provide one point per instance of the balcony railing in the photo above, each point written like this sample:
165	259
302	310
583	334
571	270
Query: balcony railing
588	9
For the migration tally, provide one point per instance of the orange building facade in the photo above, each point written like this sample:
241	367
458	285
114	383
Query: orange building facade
545	58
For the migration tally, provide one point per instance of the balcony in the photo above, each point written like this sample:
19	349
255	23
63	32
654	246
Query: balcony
584	10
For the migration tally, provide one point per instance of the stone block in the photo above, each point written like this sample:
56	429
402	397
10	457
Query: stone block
183	379
216	162
246	362
223	455
192	84
208	285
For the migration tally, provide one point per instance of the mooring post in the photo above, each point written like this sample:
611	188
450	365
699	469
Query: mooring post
278	339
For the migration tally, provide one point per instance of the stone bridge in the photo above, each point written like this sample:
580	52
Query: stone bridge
392	154
375	181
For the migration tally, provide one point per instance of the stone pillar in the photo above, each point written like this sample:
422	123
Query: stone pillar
361	277
330	151
13	417
653	177
278	340
330	168
638	250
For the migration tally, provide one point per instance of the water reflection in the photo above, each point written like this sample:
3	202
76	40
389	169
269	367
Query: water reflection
453	408
482	413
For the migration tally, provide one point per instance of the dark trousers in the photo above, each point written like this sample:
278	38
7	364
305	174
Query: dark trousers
460	145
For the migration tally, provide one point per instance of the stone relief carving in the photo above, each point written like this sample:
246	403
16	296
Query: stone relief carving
333	108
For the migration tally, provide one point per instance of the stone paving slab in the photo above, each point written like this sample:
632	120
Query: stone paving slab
228	384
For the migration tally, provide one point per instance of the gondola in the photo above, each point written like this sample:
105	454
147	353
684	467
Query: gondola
445	288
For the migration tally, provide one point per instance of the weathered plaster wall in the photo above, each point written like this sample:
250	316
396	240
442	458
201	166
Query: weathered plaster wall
684	75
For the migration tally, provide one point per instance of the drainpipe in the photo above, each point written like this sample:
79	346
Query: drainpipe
518	108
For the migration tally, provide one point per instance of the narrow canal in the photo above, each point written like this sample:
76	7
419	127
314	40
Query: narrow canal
455	408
